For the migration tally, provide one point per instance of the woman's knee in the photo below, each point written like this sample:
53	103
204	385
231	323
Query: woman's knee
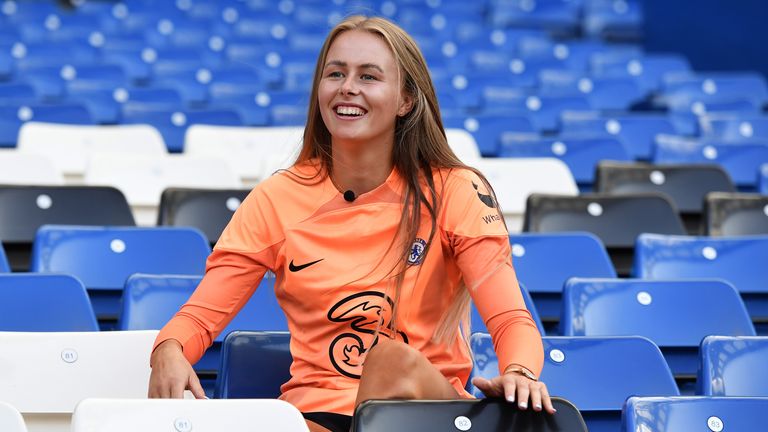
394	356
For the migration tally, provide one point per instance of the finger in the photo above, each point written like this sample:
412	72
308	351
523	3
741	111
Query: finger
547	400
522	395
196	388
177	391
485	385
509	390
535	396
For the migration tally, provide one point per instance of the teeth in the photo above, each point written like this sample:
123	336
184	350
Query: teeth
348	110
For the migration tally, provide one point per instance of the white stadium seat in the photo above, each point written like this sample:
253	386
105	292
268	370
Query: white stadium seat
18	168
10	419
463	144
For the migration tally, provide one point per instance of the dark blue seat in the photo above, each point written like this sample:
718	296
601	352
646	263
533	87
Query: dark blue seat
477	324
601	93
104	257
44	303
612	21
173	125
597	374
704	87
150	301
4	267
764	179
136	101
739	260
670	313
543	111
488	128
670	414
17	93
733	366
205	209
645	69
734	214
254	365
734	127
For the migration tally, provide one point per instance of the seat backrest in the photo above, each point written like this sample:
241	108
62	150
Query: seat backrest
595	373
126	415
463	144
670	313
247	149
763	180
732	214
616	220
52	372
686	184
28	169
10	419
68	146
205	209
514	180
477	324
4	267
104	257
739	260
150	301
485	415
733	366
667	414
254	365
44	302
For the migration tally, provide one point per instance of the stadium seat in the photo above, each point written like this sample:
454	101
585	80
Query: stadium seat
69	146
669	414
478	325
763	180
607	94
733	214
741	161
616	220
23	209
103	258
463	145
46	374
253	365
582	155
686	185
646	69
4	266
477	415
595	373
667	312
514	179
138	100
173	125
487	129
739	260
545	261
749	86
150	301
44	303
733	366
126	415
17	168
143	178
612	21
17	93
11	419
13	117
254	153
543	111
205	209
733	127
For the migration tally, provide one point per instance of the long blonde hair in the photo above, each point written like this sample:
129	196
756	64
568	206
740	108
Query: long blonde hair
420	146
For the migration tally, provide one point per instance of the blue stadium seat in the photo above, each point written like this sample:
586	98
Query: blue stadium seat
750	86
253	365
647	69
192	84
93	77
44	303
132	55
742	161
581	154
13	116
560	18
636	130
17	93
733	366
543	111
670	313
173	125
150	301
103	257
4	267
597	374
488	128
670	414
614	20
253	108
734	127
739	260
601	93
545	261
477	324
141	100
763	181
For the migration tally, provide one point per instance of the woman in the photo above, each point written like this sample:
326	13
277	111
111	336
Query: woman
379	236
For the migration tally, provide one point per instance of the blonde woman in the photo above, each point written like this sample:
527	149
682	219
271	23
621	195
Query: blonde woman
379	237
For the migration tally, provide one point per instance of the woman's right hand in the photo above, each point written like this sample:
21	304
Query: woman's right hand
172	373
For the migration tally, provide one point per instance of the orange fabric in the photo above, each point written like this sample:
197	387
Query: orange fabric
333	304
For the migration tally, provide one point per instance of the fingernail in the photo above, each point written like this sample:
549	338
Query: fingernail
554	410
510	398
523	405
538	407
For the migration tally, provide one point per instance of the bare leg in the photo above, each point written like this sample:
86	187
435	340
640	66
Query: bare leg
394	370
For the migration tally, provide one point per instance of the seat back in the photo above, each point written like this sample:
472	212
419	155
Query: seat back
733	366
763	179
4	267
10	419
735	214
28	169
667	414
463	144
45	303
485	415
125	415
205	209
478	325
254	365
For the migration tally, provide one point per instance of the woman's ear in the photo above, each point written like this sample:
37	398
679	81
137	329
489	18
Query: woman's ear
406	104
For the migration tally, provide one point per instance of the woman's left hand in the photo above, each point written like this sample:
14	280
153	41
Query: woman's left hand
515	387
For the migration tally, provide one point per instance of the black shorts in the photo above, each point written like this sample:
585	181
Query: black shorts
331	421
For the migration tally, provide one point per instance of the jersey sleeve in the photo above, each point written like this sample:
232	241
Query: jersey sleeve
243	254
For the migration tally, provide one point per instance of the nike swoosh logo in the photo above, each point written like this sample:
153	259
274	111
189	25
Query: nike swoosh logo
295	268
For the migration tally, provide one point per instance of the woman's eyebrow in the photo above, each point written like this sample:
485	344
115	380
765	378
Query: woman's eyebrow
362	66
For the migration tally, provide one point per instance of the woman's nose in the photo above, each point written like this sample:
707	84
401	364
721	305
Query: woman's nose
348	87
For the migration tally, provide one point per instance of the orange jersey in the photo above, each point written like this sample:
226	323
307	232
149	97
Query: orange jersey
334	262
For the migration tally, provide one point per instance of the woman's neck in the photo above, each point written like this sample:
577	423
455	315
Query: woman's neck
360	168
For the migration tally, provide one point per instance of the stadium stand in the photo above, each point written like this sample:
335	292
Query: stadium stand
667	414
253	365
48	374
44	303
735	214
205	209
11	419
126	415
478	325
732	366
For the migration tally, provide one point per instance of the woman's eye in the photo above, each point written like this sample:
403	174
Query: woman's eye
335	74
367	77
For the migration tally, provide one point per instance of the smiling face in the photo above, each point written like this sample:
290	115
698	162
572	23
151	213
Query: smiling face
359	93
